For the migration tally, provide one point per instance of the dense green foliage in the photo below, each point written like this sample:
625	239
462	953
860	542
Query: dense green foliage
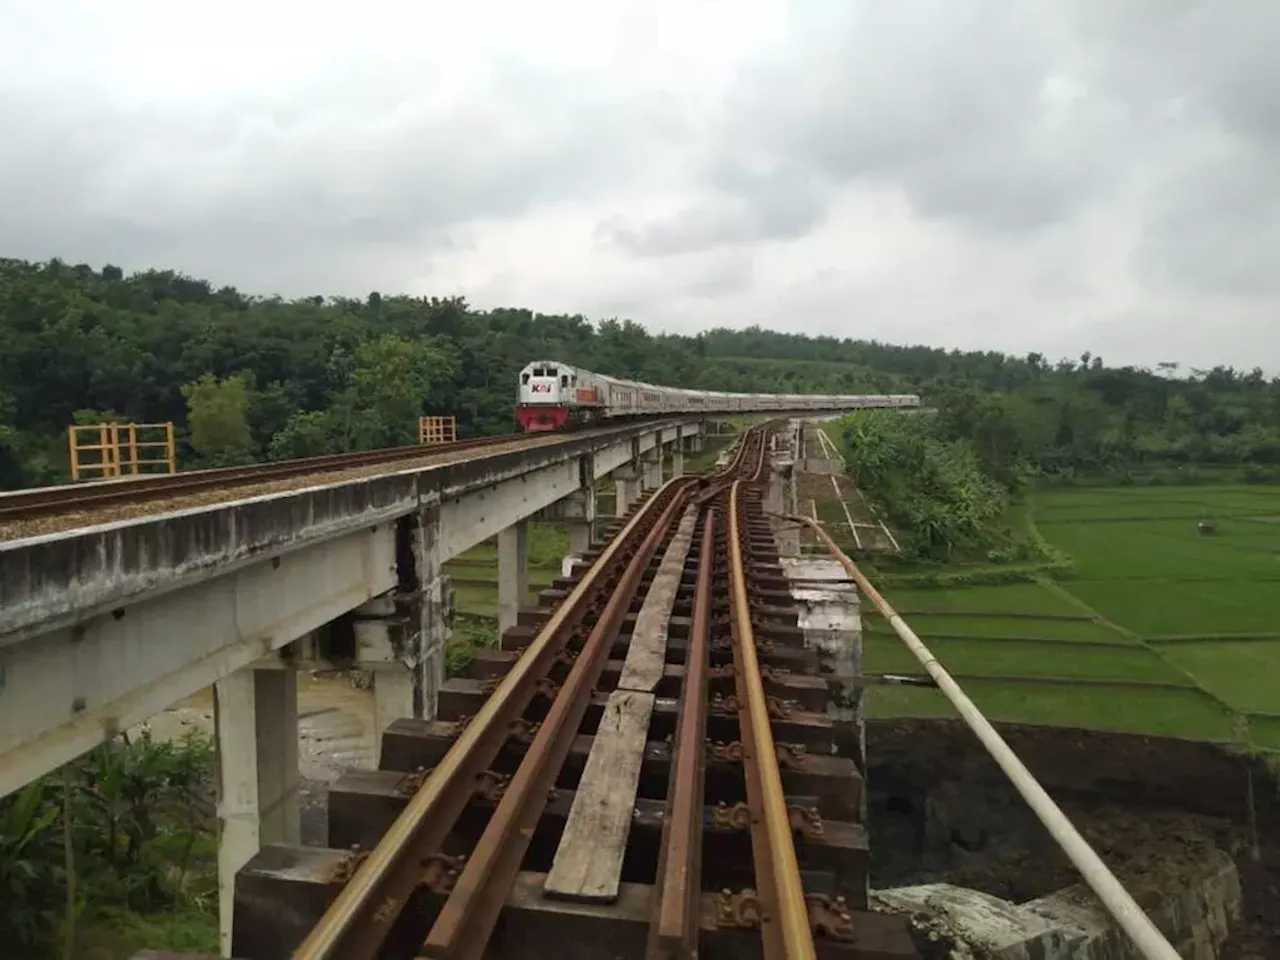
251	377
121	835
1119	425
934	491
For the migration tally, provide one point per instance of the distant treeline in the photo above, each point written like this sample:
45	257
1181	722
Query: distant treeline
249	378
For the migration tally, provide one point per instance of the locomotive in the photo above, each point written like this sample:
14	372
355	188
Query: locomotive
556	396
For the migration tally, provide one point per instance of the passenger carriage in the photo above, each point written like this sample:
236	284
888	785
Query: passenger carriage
556	396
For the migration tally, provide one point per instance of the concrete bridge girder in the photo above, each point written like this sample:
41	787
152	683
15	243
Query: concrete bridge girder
69	689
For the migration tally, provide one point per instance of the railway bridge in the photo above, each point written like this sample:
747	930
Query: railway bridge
663	758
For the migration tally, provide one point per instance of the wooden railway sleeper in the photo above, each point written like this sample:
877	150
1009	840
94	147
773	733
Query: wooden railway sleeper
440	872
523	731
548	688
488	784
724	643
806	820
346	868
729	706
828	916
791	756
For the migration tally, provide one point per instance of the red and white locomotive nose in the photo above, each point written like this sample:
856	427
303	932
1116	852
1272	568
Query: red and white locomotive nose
543	397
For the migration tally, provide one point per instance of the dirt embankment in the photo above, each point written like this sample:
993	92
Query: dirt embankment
1152	808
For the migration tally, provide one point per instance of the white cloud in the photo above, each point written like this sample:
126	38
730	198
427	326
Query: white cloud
998	174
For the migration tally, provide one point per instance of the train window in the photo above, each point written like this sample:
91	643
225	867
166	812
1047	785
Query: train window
539	372
524	378
552	371
564	381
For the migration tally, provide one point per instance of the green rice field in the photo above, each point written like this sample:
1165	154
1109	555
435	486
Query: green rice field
1164	630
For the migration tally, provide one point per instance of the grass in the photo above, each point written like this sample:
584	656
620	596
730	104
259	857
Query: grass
983	657
1148	633
1155	711
995	625
1264	733
1244	674
1024	598
112	934
1169	607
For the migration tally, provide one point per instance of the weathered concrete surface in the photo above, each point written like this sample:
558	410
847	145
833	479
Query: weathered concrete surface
1196	916
72	687
74	574
830	617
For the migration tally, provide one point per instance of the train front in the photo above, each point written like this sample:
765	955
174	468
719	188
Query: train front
543	400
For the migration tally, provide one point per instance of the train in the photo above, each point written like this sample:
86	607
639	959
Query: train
559	396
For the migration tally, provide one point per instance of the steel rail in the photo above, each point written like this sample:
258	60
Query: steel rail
42	501
360	917
673	934
466	921
784	920
1151	943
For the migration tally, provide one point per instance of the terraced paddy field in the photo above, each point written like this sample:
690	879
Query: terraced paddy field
1166	629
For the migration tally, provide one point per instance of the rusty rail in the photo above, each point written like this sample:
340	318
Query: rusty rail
465	923
674	931
467	919
360	918
784	916
358	922
79	497
43	501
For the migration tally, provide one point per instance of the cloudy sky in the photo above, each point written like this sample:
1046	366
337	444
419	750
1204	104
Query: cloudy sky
1051	175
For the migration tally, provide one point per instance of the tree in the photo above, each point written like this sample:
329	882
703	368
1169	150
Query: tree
218	419
323	375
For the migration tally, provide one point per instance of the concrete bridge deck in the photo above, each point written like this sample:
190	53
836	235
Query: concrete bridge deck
104	626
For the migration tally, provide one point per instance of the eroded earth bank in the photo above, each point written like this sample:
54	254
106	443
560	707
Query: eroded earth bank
1172	818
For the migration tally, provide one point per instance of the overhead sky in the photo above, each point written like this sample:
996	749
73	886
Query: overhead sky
1048	175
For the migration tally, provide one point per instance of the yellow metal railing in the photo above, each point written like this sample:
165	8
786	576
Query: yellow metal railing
103	450
437	429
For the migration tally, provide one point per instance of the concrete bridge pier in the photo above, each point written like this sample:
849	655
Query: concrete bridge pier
577	512
627	488
651	468
513	573
677	455
256	727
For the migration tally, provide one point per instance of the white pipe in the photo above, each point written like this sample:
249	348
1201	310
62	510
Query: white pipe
1149	941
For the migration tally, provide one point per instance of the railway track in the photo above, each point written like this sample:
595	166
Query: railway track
43	501
48	509
645	768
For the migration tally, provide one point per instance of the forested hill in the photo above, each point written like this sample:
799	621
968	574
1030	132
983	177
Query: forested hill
251	378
